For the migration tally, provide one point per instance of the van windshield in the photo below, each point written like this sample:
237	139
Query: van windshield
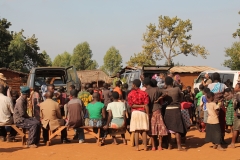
226	78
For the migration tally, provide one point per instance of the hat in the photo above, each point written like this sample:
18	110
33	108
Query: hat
2	77
25	90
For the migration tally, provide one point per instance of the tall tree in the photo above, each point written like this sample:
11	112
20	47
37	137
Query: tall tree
237	33
141	59
112	61
62	60
5	38
82	57
17	48
169	39
47	58
233	53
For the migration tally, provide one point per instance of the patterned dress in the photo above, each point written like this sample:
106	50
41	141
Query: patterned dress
229	113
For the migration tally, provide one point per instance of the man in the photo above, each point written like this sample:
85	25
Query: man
207	80
6	118
138	100
22	120
107	94
51	117
118	89
7	89
75	114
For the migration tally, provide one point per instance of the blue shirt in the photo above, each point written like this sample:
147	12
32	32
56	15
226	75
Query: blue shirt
204	100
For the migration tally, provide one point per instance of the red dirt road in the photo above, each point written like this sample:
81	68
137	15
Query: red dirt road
90	151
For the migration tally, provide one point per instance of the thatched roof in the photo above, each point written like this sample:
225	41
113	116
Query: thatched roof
191	69
89	76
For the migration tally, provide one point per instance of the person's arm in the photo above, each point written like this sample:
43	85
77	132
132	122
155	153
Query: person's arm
10	105
109	119
103	113
58	112
237	88
201	103
146	102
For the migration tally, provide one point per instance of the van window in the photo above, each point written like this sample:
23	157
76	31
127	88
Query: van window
227	79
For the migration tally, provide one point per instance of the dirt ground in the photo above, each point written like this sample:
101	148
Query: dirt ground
197	149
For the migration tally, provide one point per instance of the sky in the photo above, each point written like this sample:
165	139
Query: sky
60	25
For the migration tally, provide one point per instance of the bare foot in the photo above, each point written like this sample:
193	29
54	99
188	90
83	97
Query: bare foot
153	149
181	149
137	149
214	146
170	147
220	148
124	141
160	148
145	149
231	146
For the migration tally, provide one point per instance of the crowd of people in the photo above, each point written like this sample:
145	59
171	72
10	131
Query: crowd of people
156	107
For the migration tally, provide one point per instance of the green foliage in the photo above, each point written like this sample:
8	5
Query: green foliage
169	39
82	57
18	52
237	33
234	54
47	58
62	60
112	61
141	59
5	38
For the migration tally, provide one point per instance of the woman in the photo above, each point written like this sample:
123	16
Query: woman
218	89
116	117
173	118
96	112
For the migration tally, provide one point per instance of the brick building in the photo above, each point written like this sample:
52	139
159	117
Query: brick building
15	79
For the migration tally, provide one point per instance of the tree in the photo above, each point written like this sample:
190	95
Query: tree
141	59
234	54
94	65
5	38
47	58
170	39
112	61
16	49
237	33
82	57
62	60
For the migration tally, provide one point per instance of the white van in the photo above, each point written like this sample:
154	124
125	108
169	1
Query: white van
229	77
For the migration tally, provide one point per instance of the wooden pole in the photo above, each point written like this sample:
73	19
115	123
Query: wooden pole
97	78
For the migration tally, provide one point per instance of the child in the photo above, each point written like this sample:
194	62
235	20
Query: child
198	110
228	95
204	109
213	130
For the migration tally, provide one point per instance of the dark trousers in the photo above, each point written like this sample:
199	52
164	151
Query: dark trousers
33	125
46	135
4	130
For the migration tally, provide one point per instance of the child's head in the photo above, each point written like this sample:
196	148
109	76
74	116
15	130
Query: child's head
115	95
90	90
210	96
187	98
227	92
188	88
185	92
196	90
67	100
201	87
105	85
125	86
206	90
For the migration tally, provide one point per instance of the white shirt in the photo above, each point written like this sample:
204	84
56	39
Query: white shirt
117	109
6	110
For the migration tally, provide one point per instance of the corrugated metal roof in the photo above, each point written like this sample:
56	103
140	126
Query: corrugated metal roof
190	69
